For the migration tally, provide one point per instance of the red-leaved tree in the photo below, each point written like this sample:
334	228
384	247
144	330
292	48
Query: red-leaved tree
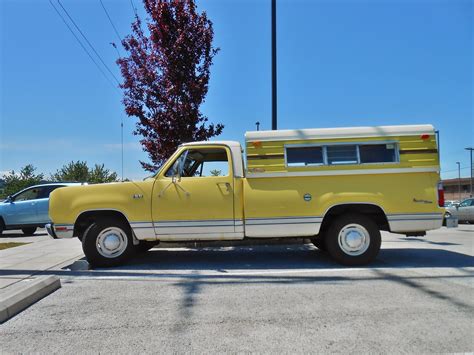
166	77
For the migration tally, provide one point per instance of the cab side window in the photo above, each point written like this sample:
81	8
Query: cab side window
201	163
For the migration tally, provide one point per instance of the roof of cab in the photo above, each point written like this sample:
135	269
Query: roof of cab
343	132
230	144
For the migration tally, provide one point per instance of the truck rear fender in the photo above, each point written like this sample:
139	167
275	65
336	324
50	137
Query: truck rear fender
375	212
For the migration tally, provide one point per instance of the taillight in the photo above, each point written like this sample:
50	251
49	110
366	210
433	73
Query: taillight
440	195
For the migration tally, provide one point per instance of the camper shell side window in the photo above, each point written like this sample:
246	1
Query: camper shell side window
300	155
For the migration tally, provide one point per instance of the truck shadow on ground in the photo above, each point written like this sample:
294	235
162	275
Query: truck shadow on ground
286	257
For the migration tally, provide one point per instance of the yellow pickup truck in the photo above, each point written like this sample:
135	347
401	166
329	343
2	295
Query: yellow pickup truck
339	187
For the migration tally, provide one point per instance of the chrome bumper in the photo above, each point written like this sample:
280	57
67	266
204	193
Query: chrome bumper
60	231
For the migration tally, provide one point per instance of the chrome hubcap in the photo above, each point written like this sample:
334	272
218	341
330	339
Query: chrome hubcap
112	242
354	239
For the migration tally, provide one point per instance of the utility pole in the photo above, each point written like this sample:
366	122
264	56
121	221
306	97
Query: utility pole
470	150
459	179
121	132
274	68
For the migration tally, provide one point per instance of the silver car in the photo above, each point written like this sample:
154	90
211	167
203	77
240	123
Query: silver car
464	212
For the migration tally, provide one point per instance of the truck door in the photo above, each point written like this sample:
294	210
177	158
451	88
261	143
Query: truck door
194	199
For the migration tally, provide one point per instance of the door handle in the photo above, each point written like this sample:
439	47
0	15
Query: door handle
226	184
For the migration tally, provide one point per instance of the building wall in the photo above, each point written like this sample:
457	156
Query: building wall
451	190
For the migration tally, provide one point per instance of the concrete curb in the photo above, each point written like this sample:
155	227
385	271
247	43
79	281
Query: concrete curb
23	294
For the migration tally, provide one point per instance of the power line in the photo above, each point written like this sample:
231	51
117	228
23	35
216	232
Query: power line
133	8
89	43
448	171
111	22
81	44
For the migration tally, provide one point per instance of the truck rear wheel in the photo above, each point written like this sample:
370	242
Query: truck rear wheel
107	242
353	239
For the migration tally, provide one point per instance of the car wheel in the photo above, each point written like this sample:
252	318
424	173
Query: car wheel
29	230
353	239
320	243
144	246
107	242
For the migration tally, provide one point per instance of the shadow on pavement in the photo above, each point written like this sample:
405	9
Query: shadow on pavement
291	257
5	234
287	257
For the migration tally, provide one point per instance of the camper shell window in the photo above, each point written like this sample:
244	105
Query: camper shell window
341	154
303	156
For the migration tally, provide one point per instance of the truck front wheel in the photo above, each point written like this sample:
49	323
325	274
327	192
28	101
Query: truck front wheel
107	243
353	239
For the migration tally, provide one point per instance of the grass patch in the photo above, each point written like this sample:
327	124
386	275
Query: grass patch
10	245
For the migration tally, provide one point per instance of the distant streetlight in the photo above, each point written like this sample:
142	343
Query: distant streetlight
459	179
274	68
470	150
258	125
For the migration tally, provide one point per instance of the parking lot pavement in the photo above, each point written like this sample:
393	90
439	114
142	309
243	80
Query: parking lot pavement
417	297
41	253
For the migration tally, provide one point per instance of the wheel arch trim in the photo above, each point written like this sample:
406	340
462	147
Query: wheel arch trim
353	203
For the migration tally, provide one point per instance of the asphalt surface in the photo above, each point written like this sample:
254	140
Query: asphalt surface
417	297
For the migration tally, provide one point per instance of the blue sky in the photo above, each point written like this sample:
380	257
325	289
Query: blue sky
340	63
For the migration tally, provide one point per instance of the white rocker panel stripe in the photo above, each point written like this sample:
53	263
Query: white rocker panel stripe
268	227
282	226
414	216
282	220
414	222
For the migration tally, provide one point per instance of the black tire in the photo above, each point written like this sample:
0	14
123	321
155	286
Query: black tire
95	235
320	243
144	246
358	225
29	230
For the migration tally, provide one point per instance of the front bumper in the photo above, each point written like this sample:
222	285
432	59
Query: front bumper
60	231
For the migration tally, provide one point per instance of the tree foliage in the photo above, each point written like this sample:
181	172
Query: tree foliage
166	76
79	172
15	182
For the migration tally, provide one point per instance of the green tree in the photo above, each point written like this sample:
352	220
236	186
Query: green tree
100	174
79	172
72	172
15	182
216	172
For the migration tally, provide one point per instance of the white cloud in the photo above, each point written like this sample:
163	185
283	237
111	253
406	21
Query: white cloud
4	172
